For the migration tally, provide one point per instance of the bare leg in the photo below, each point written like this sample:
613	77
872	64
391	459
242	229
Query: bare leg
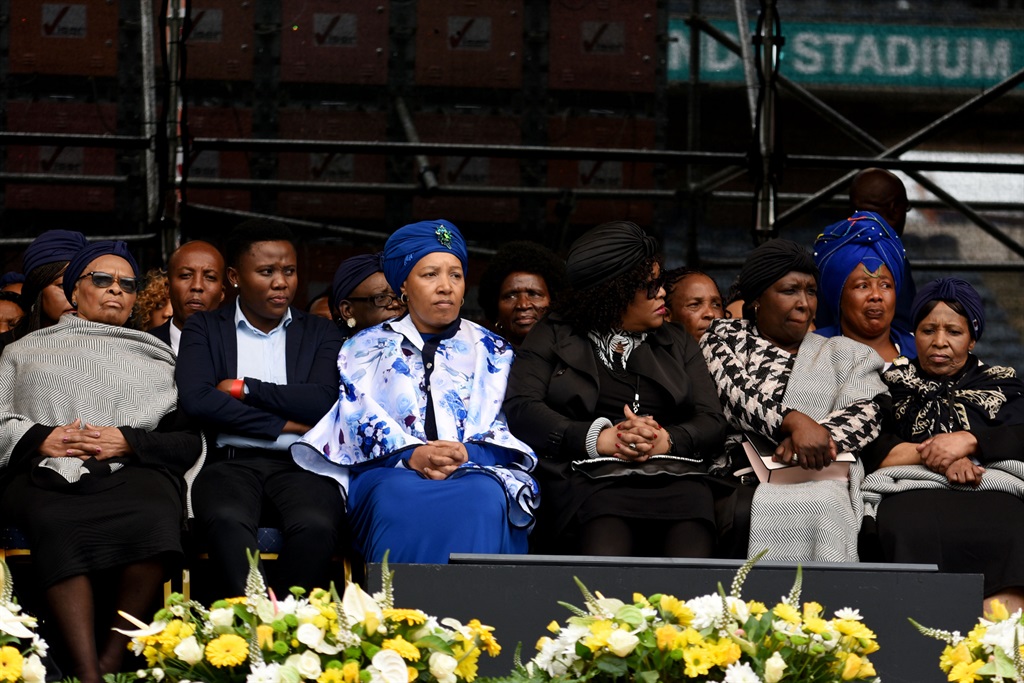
1012	599
71	603
138	588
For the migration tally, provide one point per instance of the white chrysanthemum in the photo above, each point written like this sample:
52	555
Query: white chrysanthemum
1001	634
740	673
158	674
39	645
706	610
264	673
847	613
306	613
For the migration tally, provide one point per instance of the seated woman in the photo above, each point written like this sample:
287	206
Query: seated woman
417	436
602	381
94	453
517	288
361	296
814	397
692	300
949	458
863	271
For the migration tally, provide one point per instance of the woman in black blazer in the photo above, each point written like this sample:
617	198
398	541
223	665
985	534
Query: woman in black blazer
620	408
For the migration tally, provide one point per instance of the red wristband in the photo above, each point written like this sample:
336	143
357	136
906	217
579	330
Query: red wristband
237	389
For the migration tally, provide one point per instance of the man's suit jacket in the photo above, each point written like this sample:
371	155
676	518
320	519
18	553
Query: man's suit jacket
208	354
162	332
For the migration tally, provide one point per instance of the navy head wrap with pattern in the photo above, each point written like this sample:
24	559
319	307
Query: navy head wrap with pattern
410	243
89	254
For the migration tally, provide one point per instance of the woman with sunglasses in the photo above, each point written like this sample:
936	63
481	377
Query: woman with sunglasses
95	455
361	296
620	407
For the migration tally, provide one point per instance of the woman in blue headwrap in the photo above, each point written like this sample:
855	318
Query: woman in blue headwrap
862	265
360	295
418	437
94	453
949	457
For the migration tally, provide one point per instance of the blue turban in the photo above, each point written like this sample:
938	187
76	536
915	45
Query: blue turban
351	272
949	289
53	246
10	278
89	254
410	243
865	238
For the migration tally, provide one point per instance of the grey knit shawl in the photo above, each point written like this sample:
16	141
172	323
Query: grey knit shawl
77	369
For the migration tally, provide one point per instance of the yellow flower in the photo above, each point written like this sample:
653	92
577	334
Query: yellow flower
409	616
667	636
152	655
240	600
541	642
998	613
691	636
599	632
851	667
854	629
486	635
334	676
554	627
403	647
350	672
641	599
812	609
966	672
698	661
815	625
787	613
265	632
227	650
724	653
467	655
678	609
411	673
953	655
757	608
10	664
866	669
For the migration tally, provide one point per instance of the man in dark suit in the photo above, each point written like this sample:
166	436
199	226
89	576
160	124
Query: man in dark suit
195	278
259	374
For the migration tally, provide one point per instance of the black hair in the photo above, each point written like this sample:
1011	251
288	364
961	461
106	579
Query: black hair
14	297
36	281
927	308
519	257
254	230
324	294
601	307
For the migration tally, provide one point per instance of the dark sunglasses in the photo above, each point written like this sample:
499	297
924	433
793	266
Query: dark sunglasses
654	285
104	280
378	300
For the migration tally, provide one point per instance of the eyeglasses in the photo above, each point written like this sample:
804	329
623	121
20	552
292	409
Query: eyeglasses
654	285
104	280
377	300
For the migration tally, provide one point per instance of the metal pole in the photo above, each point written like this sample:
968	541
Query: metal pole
747	57
768	43
423	170
149	122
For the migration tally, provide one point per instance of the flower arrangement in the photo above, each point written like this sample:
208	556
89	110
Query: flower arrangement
992	651
715	637
21	648
356	638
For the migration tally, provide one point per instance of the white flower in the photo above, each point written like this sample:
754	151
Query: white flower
222	617
1001	633
39	645
738	609
621	643
141	673
390	666
32	669
14	624
431	627
309	635
158	673
306	613
264	673
706	610
189	651
850	614
456	625
142	629
442	667
358	604
740	673
307	664
774	668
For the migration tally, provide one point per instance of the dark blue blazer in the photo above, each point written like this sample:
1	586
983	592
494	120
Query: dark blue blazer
162	332
208	354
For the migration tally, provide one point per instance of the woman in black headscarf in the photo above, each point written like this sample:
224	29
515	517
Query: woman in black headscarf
813	397
619	407
949	458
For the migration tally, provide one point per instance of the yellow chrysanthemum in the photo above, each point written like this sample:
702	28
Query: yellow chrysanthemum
412	617
976	634
409	652
850	667
334	676
350	672
812	609
554	627
411	673
467	655
265	633
724	653
227	650
320	621
998	611
667	636
966	672
677	609
815	625
691	636
151	654
10	664
486	635
641	600
953	655
854	629
600	630
240	600
698	661
787	613
757	608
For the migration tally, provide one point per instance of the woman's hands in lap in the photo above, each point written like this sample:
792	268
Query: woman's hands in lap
438	459
939	452
636	438
963	471
811	443
72	440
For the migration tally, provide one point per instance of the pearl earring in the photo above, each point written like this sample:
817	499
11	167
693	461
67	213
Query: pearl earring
351	322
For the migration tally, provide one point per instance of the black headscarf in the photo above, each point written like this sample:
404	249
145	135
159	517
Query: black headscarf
606	251
771	261
952	289
351	273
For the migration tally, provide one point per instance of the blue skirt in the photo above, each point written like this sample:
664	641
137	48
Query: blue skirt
422	520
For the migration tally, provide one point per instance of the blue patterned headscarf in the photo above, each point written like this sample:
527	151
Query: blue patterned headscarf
953	289
865	238
410	243
89	254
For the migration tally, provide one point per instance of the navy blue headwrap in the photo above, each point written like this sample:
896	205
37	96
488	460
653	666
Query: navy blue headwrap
90	253
410	243
953	289
605	252
353	271
10	278
865	238
53	246
769	262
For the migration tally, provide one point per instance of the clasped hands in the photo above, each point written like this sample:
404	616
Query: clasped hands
635	439
949	454
438	459
807	443
75	441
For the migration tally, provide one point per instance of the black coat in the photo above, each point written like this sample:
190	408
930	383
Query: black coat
553	394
